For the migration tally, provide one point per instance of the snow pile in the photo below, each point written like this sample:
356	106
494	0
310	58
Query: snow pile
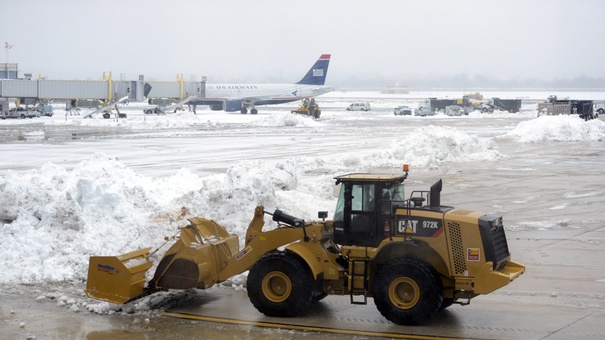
54	218
425	147
173	121
60	217
430	146
286	119
187	120
558	128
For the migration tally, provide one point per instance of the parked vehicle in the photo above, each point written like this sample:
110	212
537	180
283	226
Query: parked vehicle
599	108
45	110
424	111
20	112
403	110
585	109
454	110
360	106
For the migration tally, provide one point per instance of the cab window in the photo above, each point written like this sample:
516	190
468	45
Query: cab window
391	196
363	197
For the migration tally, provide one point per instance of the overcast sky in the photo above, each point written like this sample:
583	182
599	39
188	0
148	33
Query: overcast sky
278	40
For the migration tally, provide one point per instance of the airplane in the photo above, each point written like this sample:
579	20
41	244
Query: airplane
241	97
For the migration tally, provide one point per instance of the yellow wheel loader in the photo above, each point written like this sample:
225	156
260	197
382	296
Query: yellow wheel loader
308	108
413	256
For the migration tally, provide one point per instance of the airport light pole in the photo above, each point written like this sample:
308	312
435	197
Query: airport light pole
7	47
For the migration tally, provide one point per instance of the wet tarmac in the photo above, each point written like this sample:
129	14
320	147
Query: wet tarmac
24	315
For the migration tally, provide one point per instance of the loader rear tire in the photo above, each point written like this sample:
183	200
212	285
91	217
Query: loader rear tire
280	284
407	292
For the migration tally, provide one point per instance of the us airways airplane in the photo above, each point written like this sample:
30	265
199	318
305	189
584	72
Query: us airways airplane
241	97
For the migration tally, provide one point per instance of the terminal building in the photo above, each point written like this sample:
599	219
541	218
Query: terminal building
8	71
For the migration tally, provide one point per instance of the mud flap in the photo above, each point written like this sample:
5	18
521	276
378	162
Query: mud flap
118	279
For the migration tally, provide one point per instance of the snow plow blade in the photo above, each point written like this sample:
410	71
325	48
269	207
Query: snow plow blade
118	279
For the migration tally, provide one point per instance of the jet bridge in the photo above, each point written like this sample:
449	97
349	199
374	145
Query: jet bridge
175	89
168	96
107	92
45	89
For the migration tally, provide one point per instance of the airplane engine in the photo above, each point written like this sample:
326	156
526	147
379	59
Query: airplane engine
232	105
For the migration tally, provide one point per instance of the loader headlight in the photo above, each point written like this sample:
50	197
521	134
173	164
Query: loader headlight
496	223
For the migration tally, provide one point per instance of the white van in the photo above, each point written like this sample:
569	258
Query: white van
360	106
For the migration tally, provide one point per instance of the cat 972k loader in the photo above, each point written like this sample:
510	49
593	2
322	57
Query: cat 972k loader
309	108
413	256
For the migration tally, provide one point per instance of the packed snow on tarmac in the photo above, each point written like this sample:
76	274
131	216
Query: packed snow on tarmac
53	218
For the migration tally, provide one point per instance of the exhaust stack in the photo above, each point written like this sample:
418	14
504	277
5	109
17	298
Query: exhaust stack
436	194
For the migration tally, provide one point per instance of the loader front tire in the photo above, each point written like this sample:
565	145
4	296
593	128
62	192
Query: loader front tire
446	303
280	284
407	292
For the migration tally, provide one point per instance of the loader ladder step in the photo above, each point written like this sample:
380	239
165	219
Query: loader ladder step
364	277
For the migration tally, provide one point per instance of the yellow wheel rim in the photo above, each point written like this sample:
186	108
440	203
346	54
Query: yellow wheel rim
277	286
404	293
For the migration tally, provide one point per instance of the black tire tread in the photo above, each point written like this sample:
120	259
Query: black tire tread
430	291
299	274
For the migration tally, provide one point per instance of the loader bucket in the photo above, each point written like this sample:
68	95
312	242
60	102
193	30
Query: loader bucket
117	279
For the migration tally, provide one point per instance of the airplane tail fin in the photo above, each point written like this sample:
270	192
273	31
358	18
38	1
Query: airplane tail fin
317	74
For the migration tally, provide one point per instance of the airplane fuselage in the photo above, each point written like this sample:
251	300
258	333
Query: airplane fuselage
263	94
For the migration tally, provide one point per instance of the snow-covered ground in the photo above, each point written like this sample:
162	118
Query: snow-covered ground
73	187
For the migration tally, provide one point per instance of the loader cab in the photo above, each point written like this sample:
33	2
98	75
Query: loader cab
365	203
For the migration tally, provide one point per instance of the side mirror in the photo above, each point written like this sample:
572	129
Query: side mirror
322	214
